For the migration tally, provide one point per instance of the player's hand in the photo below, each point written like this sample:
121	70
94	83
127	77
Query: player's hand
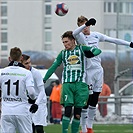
44	81
31	101
91	21
131	44
88	54
33	108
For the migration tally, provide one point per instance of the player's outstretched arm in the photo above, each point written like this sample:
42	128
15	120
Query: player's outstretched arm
54	66
90	52
91	21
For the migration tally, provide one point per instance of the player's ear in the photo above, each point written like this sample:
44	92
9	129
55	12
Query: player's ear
21	59
9	58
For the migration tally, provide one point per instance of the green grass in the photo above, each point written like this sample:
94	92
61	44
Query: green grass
98	128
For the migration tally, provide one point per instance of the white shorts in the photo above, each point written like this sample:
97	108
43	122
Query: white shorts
11	123
40	117
94	77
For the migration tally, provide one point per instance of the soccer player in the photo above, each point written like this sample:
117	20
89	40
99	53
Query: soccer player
38	118
74	89
94	70
15	82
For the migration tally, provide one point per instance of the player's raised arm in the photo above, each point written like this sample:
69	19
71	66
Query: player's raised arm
90	22
91	51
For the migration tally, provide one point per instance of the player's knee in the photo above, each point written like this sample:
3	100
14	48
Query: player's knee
77	116
77	113
68	111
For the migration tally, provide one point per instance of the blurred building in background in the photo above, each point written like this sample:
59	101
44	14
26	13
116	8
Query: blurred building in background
33	24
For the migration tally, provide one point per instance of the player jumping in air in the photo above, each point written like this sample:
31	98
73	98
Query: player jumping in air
94	70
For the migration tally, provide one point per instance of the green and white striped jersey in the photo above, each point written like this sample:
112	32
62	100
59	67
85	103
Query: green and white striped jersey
73	63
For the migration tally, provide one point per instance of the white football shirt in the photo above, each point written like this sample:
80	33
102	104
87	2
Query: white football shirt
14	82
38	86
93	40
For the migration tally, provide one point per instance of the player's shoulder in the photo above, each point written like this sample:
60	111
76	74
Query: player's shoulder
35	71
15	69
96	33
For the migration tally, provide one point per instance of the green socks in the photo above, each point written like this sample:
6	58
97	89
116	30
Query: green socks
75	126
65	124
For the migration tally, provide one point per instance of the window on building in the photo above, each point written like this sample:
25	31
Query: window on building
47	20
127	7
104	6
3	21
4	47
4	37
121	7
48	9
48	36
109	6
114	7
132	7
3	10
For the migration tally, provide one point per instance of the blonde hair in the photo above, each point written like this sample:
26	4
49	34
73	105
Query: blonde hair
81	20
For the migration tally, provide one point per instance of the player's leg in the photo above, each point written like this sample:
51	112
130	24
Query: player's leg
39	129
66	119
67	101
39	118
81	99
33	128
24	123
97	82
76	120
7	124
92	110
83	119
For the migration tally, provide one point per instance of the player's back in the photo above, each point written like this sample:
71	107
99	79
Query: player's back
14	80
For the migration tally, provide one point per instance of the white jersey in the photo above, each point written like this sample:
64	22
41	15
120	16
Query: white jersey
38	86
40	117
93	40
94	70
14	82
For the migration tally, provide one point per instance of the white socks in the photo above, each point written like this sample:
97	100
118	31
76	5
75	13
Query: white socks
91	115
83	120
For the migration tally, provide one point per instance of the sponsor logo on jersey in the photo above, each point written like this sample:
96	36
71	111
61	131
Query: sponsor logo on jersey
13	74
73	59
12	99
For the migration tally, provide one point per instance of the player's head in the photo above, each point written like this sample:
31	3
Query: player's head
26	61
81	20
57	82
68	40
15	54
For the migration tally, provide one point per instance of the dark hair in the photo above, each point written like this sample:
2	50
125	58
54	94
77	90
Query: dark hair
25	57
68	34
15	54
57	82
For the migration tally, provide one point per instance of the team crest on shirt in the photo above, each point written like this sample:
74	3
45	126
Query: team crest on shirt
73	59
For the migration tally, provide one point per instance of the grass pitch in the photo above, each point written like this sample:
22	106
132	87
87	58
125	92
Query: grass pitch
98	128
